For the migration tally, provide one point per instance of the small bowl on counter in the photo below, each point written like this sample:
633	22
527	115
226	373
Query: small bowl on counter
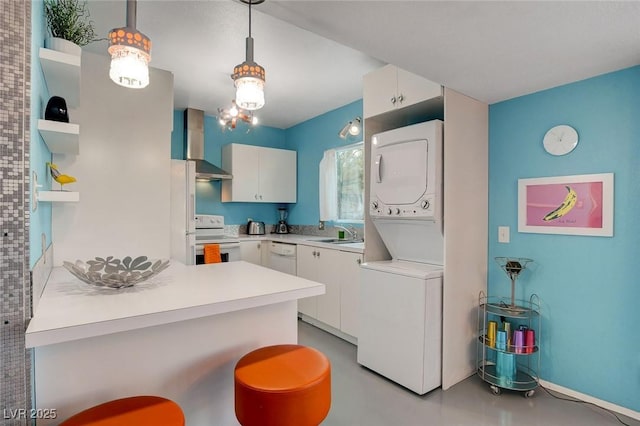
116	273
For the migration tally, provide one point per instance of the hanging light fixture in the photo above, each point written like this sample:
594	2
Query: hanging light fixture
353	128
130	52
249	77
228	118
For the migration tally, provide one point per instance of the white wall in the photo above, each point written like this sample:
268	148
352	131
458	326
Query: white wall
123	169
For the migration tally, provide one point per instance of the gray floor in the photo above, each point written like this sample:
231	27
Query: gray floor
363	398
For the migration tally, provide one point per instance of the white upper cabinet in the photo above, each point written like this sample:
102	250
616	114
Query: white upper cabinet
260	175
390	88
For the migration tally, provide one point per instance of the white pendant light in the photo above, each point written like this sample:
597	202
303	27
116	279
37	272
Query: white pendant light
249	77
130	52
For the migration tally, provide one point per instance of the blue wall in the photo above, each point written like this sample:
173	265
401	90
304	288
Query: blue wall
588	285
40	220
311	138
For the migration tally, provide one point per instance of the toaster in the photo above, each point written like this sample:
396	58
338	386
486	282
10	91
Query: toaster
255	228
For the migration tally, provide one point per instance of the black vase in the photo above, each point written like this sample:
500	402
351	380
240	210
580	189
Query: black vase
56	110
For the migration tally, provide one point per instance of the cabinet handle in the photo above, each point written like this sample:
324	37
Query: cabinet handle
318	254
400	98
255	196
393	100
314	253
259	247
261	197
358	261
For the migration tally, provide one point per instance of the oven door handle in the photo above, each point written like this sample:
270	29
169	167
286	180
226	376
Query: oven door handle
223	246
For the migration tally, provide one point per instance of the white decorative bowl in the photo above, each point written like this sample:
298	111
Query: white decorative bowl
116	273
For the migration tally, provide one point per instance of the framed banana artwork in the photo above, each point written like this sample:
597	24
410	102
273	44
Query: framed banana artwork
571	205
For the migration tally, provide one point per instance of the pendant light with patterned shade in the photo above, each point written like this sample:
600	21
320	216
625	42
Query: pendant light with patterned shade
130	52
249	77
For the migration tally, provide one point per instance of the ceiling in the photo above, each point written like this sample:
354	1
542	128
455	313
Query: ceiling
313	50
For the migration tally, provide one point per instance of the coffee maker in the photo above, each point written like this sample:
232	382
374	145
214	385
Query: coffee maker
281	226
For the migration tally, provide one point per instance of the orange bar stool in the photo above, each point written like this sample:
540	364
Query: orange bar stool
135	410
282	385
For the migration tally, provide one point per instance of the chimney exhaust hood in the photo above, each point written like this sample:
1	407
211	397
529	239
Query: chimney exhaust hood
194	147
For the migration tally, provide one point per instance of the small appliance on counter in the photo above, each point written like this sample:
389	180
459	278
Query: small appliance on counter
255	228
281	226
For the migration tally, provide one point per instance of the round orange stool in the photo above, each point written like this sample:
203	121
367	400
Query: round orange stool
282	385
135	410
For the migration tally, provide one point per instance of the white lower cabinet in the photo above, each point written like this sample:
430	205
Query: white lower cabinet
253	252
349	291
339	272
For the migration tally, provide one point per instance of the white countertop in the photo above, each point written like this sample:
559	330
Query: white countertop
307	240
70	309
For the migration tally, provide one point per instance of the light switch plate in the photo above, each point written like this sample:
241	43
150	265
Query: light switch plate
503	234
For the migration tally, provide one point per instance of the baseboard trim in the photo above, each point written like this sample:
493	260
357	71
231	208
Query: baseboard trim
328	328
588	398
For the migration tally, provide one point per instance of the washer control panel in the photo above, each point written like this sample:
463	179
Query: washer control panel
423	209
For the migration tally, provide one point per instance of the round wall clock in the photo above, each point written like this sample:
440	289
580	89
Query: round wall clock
560	140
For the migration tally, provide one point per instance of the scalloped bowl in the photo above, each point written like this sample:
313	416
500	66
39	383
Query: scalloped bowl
116	273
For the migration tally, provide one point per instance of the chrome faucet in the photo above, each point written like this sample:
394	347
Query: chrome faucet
353	234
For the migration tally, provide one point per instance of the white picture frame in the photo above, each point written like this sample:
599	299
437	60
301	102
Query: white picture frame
569	205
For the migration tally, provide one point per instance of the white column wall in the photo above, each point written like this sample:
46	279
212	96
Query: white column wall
123	169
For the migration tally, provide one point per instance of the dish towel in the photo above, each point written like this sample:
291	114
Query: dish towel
212	253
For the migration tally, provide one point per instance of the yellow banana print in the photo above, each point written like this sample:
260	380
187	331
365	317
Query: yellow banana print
564	208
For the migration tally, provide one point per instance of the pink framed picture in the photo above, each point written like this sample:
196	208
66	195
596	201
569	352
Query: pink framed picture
572	205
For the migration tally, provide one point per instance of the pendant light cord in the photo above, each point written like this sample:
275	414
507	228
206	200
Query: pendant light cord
250	18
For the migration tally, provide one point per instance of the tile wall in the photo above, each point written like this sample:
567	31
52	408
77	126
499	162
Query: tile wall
15	298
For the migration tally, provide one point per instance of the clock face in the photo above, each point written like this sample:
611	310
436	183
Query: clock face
560	140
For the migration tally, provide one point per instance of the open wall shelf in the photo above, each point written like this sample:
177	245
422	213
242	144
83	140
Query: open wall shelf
62	74
61	138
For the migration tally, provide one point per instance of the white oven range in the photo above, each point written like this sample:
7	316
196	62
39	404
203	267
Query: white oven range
209	229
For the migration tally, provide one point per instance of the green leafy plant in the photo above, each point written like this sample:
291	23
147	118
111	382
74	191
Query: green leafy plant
69	19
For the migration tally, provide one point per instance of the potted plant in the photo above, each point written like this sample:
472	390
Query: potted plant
69	25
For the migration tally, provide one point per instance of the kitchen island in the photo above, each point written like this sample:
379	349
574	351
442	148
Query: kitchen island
178	335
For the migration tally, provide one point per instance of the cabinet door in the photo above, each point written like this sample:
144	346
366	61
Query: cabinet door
379	90
349	291
243	162
413	89
329	271
306	266
278	175
251	251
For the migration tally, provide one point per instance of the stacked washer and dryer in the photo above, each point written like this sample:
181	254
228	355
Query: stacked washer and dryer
400	313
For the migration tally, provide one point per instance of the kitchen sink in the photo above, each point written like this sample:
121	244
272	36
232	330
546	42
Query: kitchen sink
338	241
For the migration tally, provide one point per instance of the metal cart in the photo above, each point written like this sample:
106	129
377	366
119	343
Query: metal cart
513	364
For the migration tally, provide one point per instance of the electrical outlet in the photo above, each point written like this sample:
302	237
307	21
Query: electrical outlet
321	225
503	234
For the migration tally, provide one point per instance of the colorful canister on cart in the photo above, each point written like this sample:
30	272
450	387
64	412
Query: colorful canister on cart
529	340
507	330
501	341
506	369
518	341
491	333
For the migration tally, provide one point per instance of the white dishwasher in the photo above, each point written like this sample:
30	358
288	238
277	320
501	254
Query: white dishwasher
282	257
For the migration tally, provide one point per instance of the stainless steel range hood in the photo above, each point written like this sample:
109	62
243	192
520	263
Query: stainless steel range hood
194	147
